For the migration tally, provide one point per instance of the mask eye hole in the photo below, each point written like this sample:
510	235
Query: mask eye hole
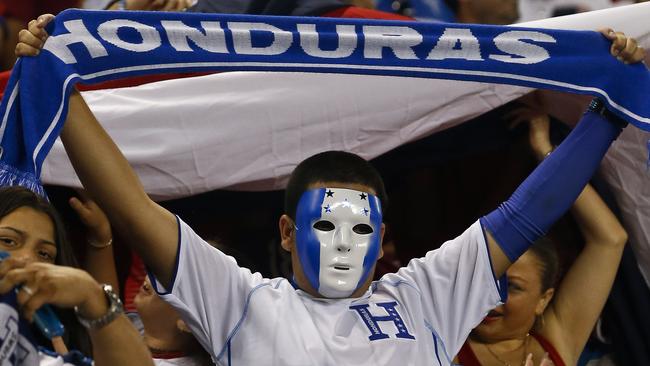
362	229
324	225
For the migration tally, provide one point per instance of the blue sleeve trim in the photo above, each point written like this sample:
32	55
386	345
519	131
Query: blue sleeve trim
435	348
436	336
229	357
373	286
226	346
502	282
152	276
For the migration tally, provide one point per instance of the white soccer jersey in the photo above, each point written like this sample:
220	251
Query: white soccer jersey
179	361
419	316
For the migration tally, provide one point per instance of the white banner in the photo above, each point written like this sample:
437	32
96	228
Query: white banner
248	130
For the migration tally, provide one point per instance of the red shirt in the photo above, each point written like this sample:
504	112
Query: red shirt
466	356
27	10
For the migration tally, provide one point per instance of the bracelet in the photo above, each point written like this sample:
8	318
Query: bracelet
100	245
111	3
549	153
121	5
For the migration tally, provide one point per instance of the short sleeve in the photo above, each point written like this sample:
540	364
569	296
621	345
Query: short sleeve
456	285
208	288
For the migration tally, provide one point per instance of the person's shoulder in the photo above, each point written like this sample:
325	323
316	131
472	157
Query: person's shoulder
392	284
474	233
186	233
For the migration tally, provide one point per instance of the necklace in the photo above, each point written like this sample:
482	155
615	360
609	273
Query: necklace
165	354
523	356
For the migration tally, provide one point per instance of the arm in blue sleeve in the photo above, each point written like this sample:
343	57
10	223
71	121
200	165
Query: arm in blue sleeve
552	188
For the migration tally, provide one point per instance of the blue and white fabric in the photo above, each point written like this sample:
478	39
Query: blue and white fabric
94	46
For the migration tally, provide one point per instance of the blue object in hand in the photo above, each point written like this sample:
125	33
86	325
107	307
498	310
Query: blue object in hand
44	318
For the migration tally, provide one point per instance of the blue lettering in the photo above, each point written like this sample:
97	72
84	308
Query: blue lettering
372	322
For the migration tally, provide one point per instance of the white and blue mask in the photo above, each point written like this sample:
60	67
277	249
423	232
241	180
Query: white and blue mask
338	238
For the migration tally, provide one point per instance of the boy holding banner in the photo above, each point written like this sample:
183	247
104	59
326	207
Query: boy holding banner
331	313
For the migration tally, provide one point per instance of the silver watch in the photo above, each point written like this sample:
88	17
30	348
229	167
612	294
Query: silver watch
115	308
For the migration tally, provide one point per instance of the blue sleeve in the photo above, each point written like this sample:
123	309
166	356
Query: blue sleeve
552	188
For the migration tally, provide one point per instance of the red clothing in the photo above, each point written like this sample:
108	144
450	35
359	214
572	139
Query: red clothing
466	356
27	10
356	12
137	274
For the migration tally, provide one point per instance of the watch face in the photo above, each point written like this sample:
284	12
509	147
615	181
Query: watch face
113	298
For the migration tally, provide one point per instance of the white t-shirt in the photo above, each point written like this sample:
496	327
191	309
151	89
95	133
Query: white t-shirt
419	316
178	361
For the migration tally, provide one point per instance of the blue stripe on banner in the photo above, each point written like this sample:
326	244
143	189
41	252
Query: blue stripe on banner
95	46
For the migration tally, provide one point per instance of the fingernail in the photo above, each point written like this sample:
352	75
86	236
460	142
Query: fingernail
611	33
620	58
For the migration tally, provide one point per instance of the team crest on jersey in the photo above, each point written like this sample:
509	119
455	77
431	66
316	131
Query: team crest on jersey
375	322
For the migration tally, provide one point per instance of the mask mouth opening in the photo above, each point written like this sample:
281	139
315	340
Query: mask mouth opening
342	268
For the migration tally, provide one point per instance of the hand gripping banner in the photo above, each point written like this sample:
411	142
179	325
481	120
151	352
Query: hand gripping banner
96	46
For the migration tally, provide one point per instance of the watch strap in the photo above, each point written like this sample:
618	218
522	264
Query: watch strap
115	308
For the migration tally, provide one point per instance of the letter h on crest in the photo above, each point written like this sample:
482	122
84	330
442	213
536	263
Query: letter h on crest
372	322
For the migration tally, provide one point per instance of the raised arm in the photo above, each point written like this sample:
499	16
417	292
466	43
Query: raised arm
111	181
571	316
551	189
108	177
99	258
582	294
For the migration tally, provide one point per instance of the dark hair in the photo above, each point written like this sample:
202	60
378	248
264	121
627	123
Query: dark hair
544	251
13	198
453	5
332	166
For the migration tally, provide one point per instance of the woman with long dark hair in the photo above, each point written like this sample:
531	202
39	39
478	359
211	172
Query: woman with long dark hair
38	269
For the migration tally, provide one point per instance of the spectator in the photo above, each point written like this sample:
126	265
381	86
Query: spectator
150	5
166	335
32	234
19	200
14	15
485	11
538	318
461	11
